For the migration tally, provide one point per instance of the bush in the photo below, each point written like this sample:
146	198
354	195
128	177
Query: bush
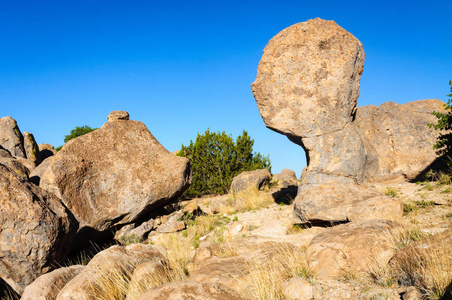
444	143
78	131
216	159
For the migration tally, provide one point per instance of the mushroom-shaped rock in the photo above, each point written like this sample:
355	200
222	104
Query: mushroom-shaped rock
36	230
115	175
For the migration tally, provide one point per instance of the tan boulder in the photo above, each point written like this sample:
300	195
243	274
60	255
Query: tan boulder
250	179
106	267
31	148
397	138
286	179
36	173
349	249
36	230
47	286
11	138
115	174
191	290
344	202
13	164
46	150
225	270
307	82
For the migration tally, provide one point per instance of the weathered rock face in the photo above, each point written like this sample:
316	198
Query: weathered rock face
191	290
7	160
115	174
351	248
36	230
397	138
36	174
46	150
286	179
307	82
114	261
10	137
345	202
48	286
31	148
247	179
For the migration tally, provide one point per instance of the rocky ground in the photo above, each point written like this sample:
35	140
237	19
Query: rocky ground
257	252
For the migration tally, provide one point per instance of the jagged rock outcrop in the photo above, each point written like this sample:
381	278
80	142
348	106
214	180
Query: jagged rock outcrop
11	138
306	88
31	148
36	230
115	175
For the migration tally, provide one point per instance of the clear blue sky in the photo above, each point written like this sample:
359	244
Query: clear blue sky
184	66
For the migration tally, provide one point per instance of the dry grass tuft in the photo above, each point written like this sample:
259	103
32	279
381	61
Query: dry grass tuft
249	199
428	266
267	280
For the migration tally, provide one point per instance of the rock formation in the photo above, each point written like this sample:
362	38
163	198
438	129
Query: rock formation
115	175
31	148
36	230
256	179
307	87
11	138
397	141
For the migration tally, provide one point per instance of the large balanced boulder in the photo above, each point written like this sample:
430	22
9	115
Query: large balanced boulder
36	230
115	175
398	142
307	87
307	83
11	138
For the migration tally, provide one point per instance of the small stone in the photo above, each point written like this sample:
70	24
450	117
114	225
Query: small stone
118	115
298	288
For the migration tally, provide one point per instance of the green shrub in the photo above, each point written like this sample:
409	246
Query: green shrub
216	159
76	132
444	143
